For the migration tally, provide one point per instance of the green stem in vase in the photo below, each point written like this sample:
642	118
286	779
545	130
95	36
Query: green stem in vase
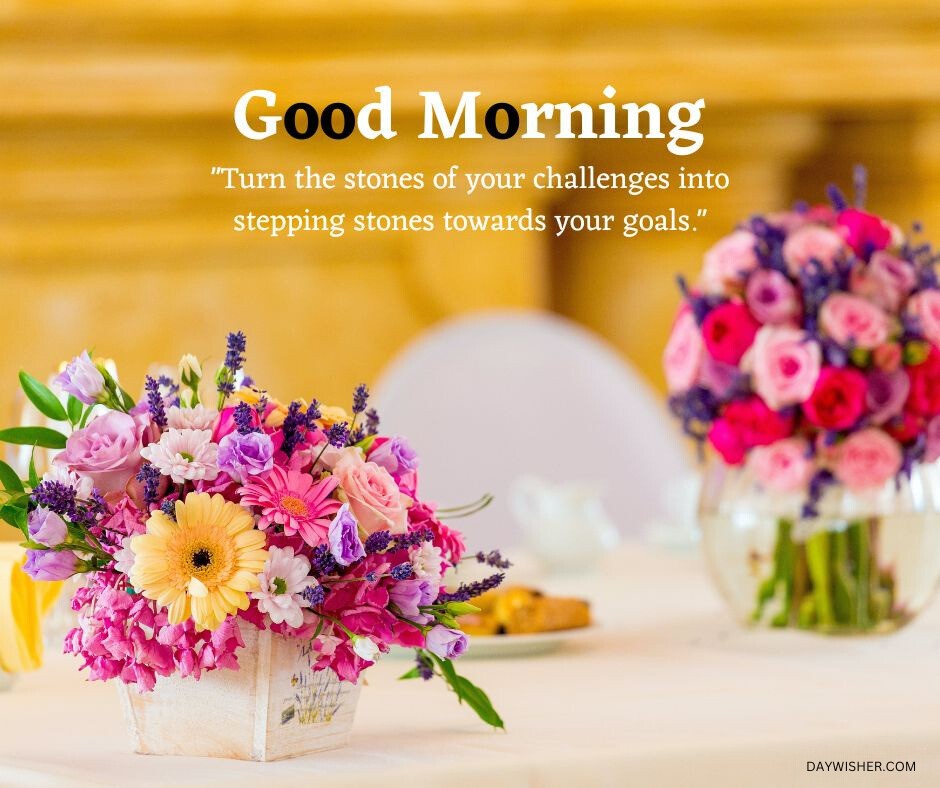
844	586
864	573
817	559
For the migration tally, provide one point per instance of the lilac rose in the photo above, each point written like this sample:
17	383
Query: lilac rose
241	456
772	298
445	642
887	392
46	527
50	564
107	451
82	379
345	544
409	595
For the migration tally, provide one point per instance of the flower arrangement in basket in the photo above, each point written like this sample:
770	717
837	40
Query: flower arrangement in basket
808	356
199	523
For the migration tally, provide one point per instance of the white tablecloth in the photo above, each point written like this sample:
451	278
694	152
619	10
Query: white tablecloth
670	693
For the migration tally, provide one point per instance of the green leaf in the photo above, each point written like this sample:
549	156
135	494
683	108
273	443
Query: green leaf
33	476
411	674
42	397
9	478
467	691
33	436
366	443
126	399
74	408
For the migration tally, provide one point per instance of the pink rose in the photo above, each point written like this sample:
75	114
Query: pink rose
728	331
785	364
867	459
887	281
107	450
851	320
772	298
728	263
373	496
717	377
864	232
684	351
812	242
925	307
784	466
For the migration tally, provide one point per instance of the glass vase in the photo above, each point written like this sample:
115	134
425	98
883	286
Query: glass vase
866	563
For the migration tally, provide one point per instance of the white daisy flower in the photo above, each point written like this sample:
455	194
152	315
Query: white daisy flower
283	581
184	455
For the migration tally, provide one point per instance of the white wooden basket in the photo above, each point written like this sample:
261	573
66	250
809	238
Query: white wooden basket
275	706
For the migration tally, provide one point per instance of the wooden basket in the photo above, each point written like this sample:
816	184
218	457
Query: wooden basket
275	706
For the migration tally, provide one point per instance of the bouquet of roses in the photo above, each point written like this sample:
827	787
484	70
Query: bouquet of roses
808	354
810	350
192	520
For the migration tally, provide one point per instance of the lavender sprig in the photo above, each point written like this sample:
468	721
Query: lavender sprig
244	419
360	398
155	404
493	558
372	422
149	477
467	591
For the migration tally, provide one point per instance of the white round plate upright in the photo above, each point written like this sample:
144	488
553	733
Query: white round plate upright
492	646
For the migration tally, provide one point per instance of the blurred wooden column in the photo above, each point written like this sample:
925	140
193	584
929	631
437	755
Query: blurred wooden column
623	288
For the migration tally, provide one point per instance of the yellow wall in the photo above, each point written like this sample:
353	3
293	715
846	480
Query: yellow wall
113	233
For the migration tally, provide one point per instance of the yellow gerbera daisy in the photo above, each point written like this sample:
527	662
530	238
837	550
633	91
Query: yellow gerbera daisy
202	565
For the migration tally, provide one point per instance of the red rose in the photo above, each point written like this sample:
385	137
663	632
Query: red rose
924	398
838	400
864	232
728	331
904	428
745	424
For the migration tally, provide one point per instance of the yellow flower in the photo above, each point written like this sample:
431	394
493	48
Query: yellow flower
330	415
252	396
202	565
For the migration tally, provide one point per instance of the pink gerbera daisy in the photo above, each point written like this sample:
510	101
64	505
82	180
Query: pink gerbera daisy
292	499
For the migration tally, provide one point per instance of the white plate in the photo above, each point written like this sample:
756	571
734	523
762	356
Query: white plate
490	646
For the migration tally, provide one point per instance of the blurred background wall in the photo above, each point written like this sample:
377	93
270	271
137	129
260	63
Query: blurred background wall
113	234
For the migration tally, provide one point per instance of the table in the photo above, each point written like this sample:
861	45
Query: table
670	692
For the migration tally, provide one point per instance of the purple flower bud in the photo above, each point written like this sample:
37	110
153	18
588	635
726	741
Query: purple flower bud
82	379
50	564
445	642
244	455
46	527
345	544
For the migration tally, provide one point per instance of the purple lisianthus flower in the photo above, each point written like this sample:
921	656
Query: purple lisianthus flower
46	527
82	379
50	564
409	595
886	395
396	456
345	545
772	298
445	642
244	455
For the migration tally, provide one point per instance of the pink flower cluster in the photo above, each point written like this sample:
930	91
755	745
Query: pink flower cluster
122	636
809	349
